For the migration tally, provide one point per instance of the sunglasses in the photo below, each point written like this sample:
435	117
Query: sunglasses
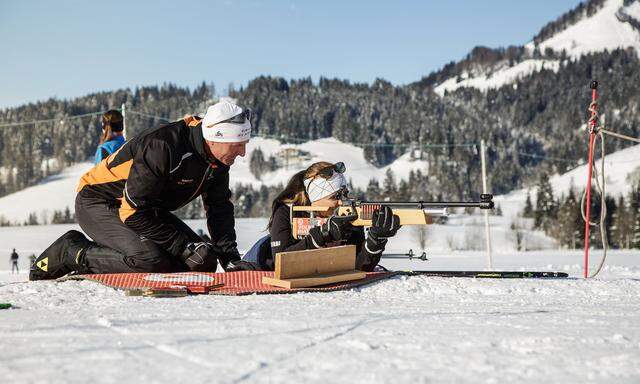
338	167
239	118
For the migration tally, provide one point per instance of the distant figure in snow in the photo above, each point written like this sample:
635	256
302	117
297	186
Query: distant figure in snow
112	137
32	259
14	261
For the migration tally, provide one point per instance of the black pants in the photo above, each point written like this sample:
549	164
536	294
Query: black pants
118	248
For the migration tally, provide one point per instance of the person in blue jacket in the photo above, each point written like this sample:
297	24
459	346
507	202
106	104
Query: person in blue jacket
112	137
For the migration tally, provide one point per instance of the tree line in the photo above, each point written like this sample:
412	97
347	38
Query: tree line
561	217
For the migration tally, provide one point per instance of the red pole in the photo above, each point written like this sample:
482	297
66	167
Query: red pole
592	136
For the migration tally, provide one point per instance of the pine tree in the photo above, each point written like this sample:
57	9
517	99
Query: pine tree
373	190
635	217
57	217
621	225
568	222
635	239
546	207
389	190
32	219
403	191
528	207
67	218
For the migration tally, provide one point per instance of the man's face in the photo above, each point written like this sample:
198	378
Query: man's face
226	153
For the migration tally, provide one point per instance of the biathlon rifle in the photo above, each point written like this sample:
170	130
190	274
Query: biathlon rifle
409	212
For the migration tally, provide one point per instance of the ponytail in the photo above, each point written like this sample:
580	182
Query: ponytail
112	122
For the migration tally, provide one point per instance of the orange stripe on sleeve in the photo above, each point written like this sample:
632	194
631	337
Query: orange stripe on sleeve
101	174
125	210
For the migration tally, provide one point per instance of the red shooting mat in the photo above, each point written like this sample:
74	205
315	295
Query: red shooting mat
234	283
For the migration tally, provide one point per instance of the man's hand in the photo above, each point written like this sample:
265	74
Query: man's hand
227	258
240	265
200	257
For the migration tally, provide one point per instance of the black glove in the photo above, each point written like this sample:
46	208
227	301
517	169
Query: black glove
228	257
200	257
336	228
384	224
240	265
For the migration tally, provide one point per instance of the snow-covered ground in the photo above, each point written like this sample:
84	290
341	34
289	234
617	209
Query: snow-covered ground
406	329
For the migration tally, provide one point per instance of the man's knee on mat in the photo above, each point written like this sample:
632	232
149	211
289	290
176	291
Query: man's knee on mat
152	258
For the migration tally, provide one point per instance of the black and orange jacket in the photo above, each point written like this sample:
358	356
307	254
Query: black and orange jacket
164	169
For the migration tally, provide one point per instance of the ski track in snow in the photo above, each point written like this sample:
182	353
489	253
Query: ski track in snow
406	329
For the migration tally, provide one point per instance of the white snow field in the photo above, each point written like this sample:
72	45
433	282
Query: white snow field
406	329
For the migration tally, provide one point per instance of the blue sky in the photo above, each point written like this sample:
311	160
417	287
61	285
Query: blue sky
71	48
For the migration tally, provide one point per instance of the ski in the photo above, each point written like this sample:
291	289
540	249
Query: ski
490	274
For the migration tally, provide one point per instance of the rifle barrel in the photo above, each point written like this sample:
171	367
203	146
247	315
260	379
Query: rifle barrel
485	204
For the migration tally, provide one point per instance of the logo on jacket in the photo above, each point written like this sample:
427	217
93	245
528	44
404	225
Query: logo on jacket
185	181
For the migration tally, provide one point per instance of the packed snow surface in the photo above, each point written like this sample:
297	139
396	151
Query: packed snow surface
406	329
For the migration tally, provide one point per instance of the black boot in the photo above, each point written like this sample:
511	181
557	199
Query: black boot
63	256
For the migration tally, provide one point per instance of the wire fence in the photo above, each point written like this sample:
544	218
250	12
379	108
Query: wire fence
299	140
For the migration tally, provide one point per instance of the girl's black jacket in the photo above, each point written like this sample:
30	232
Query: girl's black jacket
368	252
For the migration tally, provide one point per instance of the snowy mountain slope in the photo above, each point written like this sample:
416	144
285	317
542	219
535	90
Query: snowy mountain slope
359	171
53	193
609	28
496	76
618	167
58	192
606	29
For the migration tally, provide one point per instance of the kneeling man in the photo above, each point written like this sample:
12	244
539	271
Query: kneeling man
124	203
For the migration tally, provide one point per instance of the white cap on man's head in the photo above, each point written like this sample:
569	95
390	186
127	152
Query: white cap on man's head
213	128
